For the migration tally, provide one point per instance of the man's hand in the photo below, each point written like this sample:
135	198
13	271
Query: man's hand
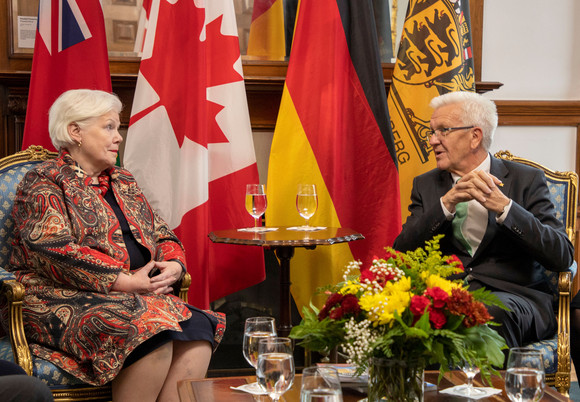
480	186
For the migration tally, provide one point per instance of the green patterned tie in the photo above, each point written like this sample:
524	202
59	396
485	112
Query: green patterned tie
460	216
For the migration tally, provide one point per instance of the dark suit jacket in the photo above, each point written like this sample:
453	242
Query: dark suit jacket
512	255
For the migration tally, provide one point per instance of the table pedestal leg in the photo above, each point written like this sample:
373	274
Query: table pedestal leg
284	254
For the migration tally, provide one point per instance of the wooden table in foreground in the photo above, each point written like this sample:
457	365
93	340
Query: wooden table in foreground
218	390
283	242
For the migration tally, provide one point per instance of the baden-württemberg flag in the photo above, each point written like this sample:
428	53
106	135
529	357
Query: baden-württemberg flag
434	58
333	130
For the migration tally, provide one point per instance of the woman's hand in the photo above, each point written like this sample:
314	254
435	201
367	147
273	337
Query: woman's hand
171	272
140	282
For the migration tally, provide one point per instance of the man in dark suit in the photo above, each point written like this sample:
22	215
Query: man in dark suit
496	216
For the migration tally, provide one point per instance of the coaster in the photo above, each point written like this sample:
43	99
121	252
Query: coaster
259	229
306	228
252	388
486	392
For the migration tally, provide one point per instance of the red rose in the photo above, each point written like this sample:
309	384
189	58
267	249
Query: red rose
336	314
332	301
350	305
437	317
438	295
419	304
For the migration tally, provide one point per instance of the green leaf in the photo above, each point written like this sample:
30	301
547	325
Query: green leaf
487	297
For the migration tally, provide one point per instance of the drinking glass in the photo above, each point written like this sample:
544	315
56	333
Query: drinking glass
306	202
256	328
524	380
256	202
468	389
275	370
320	384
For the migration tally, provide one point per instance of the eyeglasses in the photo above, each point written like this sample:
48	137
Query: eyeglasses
444	132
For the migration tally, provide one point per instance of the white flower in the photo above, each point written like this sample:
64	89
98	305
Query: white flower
352	266
358	340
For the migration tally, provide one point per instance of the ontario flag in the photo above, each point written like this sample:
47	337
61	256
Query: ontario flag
70	52
267	30
189	142
434	58
333	131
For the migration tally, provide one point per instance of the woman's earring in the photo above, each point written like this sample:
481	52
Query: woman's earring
79	143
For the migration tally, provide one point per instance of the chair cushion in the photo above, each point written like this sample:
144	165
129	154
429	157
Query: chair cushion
549	349
44	370
5	275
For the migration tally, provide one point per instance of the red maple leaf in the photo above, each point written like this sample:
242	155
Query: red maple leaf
182	67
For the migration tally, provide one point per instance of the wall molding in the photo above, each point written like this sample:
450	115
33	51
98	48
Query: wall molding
538	112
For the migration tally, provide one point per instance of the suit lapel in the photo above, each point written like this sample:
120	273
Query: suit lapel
499	170
444	184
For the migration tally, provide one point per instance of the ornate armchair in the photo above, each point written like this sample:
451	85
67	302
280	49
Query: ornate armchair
13	346
563	188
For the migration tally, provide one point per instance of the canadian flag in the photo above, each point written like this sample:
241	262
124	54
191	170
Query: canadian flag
189	142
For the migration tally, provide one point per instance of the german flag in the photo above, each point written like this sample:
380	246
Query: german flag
333	131
267	30
434	58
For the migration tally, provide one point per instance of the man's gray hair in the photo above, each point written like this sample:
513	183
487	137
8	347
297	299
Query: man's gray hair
78	106
475	110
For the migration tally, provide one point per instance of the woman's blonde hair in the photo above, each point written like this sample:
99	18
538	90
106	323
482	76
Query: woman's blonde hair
78	106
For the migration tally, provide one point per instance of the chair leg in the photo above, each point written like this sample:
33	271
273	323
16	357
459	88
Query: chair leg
14	292
563	383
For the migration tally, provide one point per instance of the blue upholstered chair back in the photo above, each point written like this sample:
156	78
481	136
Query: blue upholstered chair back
12	171
563	187
562	192
9	179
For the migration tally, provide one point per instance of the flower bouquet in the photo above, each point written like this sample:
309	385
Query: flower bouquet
404	309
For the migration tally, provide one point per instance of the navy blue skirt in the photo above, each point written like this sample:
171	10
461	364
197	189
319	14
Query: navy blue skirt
199	327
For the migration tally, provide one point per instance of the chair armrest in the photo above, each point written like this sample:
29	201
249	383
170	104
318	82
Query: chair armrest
13	291
565	290
180	288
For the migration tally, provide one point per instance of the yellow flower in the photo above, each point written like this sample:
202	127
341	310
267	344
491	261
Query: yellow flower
350	288
381	307
402	285
446	285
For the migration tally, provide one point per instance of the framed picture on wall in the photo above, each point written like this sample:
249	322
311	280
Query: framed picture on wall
121	26
22	26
